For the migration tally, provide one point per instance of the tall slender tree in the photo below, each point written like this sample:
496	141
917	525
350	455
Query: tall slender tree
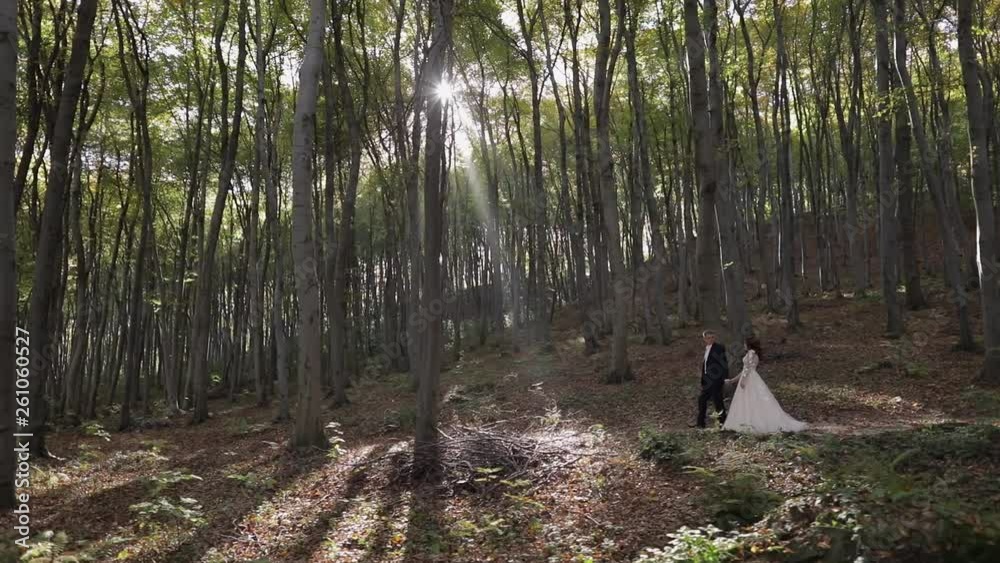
604	69
656	292
904	171
132	38
783	129
262	175
936	187
708	235
754	75
8	266
725	208
979	112
198	367
887	189
50	235
308	431
345	240
426	453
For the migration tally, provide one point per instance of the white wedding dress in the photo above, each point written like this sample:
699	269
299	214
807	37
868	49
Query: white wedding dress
754	409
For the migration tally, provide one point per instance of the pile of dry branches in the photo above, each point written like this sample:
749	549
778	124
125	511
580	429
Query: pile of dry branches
482	459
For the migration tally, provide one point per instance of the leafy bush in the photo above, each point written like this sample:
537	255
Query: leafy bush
663	448
923	490
336	438
95	429
160	510
911	451
404	419
88	453
736	500
48	547
165	479
705	545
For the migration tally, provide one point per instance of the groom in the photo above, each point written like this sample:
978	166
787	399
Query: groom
714	372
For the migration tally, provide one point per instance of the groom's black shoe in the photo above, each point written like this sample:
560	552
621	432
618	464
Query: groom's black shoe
695	425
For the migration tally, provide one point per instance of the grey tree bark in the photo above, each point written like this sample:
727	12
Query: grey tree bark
262	174
936	187
8	265
582	166
50	233
979	115
888	198
198	366
764	166
656	277
414	239
308	431
604	69
725	208
272	224
708	236
345	240
783	127
426	454
904	171
850	141
137	84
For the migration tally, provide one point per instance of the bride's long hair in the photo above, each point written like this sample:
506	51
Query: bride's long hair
753	343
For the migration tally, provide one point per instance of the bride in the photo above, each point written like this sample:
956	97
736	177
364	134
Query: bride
754	409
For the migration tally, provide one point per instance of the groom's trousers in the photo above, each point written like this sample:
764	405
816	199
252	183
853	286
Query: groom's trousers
711	390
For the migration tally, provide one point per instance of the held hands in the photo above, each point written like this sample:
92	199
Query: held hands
739	379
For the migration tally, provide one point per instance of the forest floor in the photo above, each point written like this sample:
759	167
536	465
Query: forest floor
899	463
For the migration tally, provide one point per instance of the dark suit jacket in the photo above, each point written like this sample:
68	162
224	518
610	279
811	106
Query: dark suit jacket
716	370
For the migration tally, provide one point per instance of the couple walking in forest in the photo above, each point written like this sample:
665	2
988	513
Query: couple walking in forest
754	409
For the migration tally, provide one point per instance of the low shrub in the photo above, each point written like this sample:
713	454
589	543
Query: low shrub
161	510
737	499
663	448
707	545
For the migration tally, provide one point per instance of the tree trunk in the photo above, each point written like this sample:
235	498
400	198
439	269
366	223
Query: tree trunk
137	85
952	249
708	236
50	234
198	367
904	172
888	229
784	141
604	68
415	344
980	116
345	240
850	136
425	453
655	278
261	174
308	425
725	208
8	265
764	167
581	163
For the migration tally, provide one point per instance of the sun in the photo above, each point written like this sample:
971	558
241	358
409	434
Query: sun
444	91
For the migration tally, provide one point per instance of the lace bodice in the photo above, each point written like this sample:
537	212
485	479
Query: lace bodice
750	361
